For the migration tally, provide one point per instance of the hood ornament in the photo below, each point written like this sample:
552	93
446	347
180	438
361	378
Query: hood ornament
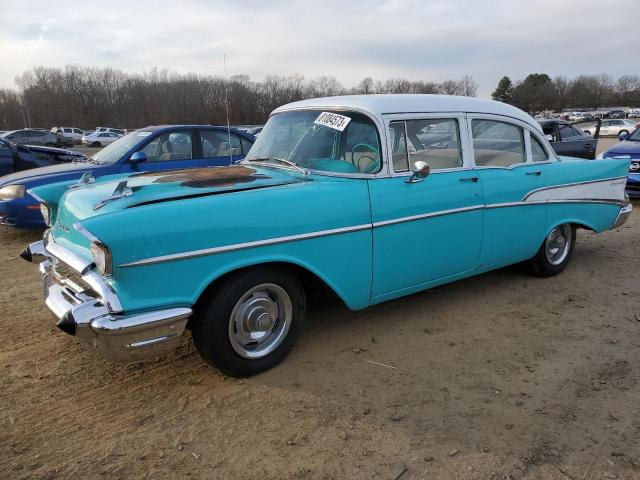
121	191
86	179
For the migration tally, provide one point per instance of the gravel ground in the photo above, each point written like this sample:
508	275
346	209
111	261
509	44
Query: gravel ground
501	376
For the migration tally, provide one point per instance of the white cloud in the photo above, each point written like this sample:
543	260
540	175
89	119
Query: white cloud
429	40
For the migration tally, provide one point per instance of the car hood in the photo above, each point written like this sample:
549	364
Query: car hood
624	148
54	150
58	172
154	187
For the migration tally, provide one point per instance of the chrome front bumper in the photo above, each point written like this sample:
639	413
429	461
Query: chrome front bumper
86	307
623	216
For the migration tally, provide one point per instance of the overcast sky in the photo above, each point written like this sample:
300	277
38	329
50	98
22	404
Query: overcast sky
350	39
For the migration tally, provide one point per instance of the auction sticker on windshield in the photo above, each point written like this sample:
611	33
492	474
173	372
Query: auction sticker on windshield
332	120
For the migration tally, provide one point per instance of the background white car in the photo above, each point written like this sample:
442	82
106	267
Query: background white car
613	127
73	133
100	139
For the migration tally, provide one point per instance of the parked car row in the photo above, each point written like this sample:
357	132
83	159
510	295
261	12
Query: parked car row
149	149
143	242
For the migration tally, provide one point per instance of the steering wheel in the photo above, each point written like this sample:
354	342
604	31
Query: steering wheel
373	160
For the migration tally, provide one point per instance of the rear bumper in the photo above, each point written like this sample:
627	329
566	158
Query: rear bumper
85	306
623	216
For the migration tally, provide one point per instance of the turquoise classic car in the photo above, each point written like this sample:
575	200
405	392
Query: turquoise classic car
374	197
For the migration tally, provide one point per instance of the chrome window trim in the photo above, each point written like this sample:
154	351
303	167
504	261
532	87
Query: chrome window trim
460	117
498	118
354	228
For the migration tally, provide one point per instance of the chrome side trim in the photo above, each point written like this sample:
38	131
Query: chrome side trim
413	218
245	245
355	228
564	185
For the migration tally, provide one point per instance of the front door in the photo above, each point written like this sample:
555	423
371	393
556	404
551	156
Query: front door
167	151
513	228
431	229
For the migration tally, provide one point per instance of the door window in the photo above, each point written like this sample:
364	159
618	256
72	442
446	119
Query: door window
497	143
435	141
169	146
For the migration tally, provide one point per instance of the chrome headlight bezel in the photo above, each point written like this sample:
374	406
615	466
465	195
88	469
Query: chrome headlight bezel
102	257
46	214
12	192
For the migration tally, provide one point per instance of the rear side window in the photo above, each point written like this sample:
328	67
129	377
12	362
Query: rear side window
219	144
497	143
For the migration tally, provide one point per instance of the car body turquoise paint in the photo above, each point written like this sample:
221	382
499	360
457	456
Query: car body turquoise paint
370	237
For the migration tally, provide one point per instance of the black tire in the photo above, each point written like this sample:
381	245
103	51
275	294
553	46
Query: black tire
211	328
541	265
587	132
49	144
96	144
626	132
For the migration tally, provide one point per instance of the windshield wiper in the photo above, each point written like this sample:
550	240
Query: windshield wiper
281	160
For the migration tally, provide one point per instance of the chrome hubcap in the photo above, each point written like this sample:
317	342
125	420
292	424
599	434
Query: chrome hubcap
557	244
260	320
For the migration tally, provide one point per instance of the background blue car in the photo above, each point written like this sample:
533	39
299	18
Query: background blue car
629	147
161	148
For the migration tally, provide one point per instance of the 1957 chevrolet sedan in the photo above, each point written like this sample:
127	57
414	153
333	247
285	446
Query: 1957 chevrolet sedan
375	197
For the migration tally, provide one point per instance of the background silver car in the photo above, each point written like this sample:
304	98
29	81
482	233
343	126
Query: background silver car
30	136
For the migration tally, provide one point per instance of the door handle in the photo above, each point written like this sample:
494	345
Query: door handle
470	179
536	172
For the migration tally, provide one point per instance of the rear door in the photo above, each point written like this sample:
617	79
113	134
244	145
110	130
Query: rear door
220	147
575	143
502	155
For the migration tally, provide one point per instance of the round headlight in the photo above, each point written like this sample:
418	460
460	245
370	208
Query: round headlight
46	214
102	256
12	192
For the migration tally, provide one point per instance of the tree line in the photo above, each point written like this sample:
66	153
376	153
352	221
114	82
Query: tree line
89	97
538	92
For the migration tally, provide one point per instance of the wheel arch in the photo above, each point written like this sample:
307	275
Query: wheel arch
310	277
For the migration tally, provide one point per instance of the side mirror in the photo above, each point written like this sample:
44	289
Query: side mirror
420	172
549	137
138	157
622	136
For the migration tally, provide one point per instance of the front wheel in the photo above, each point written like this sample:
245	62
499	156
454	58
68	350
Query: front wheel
555	252
96	144
251	322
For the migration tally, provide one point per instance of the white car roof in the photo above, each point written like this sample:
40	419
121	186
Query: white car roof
381	104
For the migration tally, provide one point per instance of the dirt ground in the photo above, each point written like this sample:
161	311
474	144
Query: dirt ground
502	376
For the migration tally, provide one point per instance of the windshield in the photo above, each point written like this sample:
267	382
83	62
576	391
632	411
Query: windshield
635	135
323	140
114	152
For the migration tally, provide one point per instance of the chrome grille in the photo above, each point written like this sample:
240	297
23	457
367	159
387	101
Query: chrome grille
66	276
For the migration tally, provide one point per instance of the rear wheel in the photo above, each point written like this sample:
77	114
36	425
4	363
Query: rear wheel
555	252
623	132
250	323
